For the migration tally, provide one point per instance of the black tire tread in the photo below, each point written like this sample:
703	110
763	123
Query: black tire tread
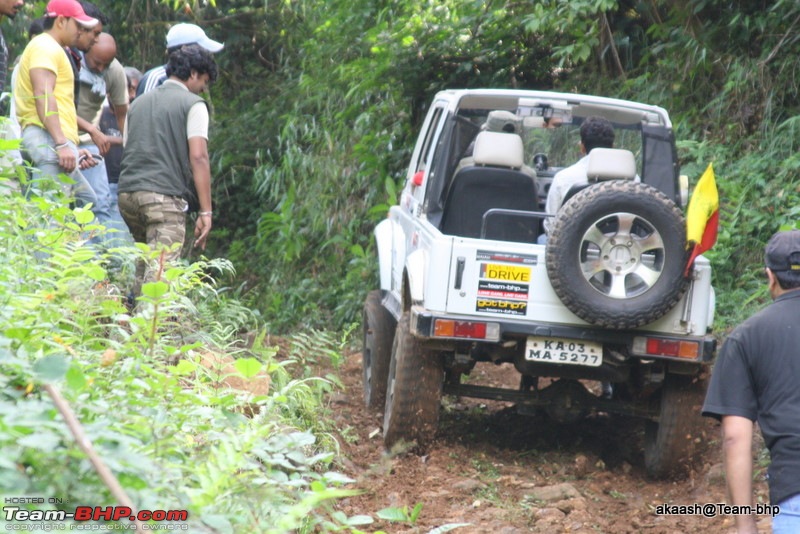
672	444
412	409
379	326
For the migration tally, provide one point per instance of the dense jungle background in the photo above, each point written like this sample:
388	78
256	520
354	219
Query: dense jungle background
318	101
314	117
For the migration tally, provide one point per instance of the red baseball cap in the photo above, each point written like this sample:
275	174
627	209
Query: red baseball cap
71	9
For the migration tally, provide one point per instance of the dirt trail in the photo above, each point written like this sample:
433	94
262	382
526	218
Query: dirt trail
505	473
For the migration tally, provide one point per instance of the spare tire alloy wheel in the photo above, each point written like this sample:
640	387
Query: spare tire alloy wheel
376	354
616	253
414	392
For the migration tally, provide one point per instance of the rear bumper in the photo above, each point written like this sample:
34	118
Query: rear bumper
422	326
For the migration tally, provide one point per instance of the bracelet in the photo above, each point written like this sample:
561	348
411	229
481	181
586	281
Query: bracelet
62	145
204	213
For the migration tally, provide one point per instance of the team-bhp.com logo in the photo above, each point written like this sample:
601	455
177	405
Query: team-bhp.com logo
18	515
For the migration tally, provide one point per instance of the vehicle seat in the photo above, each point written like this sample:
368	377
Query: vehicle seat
499	121
611	164
495	179
605	164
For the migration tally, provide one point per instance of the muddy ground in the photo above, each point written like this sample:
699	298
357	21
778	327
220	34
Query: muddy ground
506	473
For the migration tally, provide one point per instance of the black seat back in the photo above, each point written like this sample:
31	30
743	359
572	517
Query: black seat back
476	190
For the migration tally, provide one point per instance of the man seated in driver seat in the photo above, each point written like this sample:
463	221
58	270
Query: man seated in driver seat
596	132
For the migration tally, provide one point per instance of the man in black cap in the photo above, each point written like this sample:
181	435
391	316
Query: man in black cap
757	378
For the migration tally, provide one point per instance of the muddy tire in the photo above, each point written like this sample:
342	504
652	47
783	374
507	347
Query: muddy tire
414	391
673	443
616	254
376	354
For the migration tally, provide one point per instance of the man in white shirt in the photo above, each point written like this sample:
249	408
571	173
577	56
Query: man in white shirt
596	132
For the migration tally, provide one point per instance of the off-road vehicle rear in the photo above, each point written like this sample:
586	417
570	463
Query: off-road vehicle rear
607	300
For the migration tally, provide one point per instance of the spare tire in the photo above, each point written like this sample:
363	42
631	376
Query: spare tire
616	254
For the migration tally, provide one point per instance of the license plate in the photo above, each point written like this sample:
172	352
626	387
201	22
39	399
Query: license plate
563	351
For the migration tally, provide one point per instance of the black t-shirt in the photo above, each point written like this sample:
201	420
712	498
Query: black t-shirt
113	158
75	61
757	376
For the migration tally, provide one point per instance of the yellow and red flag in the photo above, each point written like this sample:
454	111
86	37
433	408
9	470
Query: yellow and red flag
702	217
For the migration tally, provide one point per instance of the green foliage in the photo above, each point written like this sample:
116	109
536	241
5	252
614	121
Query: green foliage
401	515
323	156
326	151
172	430
314	118
318	103
572	26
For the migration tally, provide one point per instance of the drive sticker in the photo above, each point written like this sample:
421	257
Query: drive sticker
502	290
507	307
505	273
522	259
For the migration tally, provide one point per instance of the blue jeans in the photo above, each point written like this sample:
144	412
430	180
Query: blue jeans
788	521
40	147
98	180
122	236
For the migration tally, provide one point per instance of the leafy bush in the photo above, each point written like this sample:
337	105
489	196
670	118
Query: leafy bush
325	152
175	431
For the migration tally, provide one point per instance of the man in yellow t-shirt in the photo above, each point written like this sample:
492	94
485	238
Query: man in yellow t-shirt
45	98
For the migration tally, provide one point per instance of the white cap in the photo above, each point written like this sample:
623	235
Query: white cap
183	34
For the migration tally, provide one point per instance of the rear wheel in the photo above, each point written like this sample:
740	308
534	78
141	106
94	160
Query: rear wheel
672	443
414	390
376	355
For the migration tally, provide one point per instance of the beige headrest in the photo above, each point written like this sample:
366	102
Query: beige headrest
497	149
611	164
502	121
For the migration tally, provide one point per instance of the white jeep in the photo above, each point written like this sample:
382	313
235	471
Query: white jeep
607	299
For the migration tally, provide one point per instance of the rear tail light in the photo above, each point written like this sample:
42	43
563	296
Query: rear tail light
653	346
466	329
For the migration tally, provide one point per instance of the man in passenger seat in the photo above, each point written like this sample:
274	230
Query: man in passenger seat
596	132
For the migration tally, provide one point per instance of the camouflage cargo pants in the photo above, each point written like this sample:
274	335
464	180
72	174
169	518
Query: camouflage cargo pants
158	220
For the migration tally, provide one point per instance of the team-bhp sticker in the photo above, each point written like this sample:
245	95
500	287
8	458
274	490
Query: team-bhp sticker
507	307
503	287
502	290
